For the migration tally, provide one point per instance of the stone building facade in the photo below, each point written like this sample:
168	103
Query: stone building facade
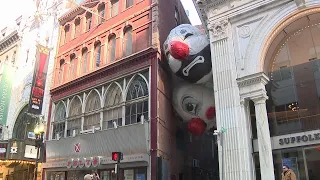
264	58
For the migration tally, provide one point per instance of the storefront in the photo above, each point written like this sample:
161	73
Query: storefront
132	167
293	106
72	158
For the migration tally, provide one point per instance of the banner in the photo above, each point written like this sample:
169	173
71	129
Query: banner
5	93
39	80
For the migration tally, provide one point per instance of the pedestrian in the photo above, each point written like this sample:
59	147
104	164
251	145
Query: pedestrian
88	177
287	173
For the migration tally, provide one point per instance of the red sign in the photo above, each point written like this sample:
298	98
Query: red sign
77	147
75	163
39	80
95	161
81	162
69	163
88	162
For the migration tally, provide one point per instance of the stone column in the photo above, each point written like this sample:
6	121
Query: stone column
235	147
253	87
264	141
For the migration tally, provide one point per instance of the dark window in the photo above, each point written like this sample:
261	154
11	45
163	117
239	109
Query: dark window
84	60
97	53
61	71
77	27
137	101
114	7
13	60
101	12
127	44
112	48
66	33
74	120
129	3
73	67
59	121
88	21
176	16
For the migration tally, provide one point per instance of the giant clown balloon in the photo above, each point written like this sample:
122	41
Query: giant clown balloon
188	54
195	105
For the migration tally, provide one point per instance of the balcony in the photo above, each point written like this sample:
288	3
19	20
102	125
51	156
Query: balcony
131	139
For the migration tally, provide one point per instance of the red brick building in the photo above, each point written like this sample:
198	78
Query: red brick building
110	92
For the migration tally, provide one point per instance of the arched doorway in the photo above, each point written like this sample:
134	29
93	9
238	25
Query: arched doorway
23	124
292	64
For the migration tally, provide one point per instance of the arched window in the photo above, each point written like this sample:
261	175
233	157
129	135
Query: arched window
13	60
114	7
59	121
97	51
73	66
129	3
92	114
84	60
61	71
112	47
127	41
66	33
113	107
7	58
101	12
137	101
77	27
74	119
23	125
88	21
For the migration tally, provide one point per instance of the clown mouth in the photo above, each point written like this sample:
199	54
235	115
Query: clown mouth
197	60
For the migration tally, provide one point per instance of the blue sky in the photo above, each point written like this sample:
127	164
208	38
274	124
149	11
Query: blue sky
8	16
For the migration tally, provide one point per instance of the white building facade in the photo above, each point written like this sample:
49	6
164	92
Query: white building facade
265	59
38	25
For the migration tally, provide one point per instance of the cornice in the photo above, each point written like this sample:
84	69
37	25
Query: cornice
9	40
77	10
253	79
133	63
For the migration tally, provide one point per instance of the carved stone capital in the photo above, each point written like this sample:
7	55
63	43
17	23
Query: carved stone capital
219	29
300	3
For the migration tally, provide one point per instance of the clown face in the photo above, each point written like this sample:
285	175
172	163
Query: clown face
195	105
188	53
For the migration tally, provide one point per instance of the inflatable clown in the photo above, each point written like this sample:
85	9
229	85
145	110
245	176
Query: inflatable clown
189	58
195	105
188	53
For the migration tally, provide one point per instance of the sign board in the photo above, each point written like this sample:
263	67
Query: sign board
30	152
39	80
32	135
140	177
3	150
5	93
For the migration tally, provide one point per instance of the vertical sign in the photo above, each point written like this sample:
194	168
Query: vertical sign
3	150
5	93
39	80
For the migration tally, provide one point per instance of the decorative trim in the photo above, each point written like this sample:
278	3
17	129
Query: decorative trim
219	29
245	31
252	80
119	68
9	40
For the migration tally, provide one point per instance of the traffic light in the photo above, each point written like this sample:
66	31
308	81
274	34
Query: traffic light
117	156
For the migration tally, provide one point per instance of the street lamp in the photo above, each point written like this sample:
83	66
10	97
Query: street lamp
38	131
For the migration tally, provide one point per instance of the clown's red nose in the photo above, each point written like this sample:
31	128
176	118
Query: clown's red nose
196	126
179	50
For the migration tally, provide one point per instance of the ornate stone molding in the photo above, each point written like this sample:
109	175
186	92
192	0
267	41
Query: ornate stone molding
300	3
253	87
219	29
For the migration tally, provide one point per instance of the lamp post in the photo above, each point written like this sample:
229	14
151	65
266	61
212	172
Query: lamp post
38	131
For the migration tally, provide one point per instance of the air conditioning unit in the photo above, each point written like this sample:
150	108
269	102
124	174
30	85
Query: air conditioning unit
74	133
195	163
57	136
93	129
142	119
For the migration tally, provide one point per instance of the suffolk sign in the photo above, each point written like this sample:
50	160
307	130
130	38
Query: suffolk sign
39	80
306	138
5	93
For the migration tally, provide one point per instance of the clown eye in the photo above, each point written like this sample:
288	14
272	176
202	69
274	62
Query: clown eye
190	105
183	31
